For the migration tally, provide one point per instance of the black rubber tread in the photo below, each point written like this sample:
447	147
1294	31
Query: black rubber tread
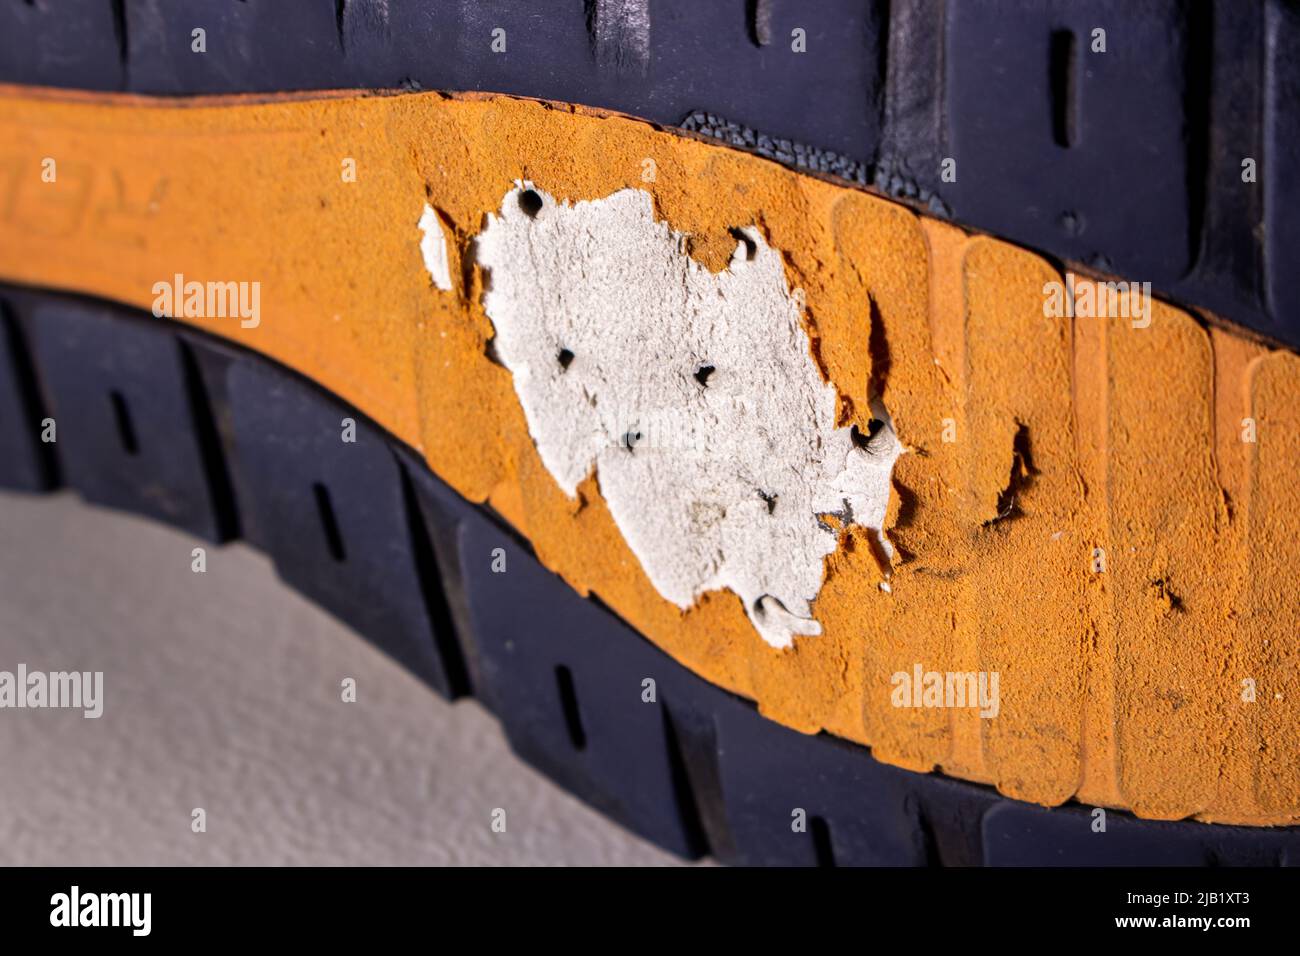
449	591
341	527
1129	160
111	389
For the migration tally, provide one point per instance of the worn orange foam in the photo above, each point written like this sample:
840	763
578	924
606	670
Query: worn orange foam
1080	509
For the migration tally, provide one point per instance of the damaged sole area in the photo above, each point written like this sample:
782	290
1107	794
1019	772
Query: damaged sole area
690	395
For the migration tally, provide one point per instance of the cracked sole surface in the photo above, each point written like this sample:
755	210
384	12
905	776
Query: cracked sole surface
1101	511
176	425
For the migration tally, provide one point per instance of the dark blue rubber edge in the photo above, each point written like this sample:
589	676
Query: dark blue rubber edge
1127	160
163	421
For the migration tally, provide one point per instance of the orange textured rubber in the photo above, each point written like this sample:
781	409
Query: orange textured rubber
1138	600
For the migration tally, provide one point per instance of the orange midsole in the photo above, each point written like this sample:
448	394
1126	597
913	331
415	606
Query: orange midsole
1124	686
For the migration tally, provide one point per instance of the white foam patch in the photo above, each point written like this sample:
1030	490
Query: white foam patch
434	248
692	395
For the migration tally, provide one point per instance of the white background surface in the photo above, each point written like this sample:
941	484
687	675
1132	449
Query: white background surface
222	691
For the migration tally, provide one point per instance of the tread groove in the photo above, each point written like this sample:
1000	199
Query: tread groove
569	707
823	846
1196	104
35	409
687	807
211	449
329	522
929	842
125	424
434	581
121	37
1064	67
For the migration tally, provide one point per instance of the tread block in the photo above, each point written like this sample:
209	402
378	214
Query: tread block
248	46
394	43
128	435
564	676
334	516
852	810
704	56
692	56
74	43
1078	152
25	463
1021	834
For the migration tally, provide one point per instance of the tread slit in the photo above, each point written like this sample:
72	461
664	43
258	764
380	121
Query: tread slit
929	841
340	21
125	425
329	522
688	809
569	704
1197	97
120	36
34	408
433	590
1064	78
211	450
821	837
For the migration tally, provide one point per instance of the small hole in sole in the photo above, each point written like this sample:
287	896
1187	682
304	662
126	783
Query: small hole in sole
530	202
751	247
702	374
864	441
565	358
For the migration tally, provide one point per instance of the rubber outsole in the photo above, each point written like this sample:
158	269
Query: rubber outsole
170	423
1127	152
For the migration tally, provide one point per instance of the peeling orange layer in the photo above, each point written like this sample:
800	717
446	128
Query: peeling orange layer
1137	597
